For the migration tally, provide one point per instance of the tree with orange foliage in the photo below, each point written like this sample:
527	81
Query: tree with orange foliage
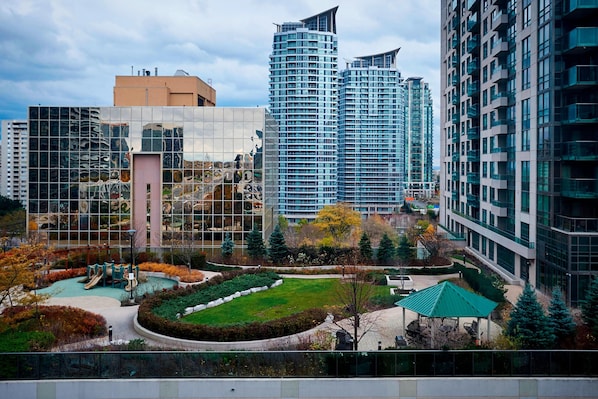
20	268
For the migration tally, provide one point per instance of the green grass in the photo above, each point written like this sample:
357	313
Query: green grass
293	296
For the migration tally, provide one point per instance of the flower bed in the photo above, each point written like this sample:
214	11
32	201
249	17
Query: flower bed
182	273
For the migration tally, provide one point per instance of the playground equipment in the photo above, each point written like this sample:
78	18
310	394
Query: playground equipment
112	274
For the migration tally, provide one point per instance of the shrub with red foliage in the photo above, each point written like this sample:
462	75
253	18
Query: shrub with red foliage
68	324
65	274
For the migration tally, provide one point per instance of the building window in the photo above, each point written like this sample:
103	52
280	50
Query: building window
525	125
527	13
543	108
525	231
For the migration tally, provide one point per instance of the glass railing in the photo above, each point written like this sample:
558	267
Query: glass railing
580	5
473	88
473	133
576	225
473	66
473	177
581	113
455	156
472	111
473	155
472	44
580	151
472	22
579	188
583	37
298	364
496	230
499	176
581	75
455	195
471	3
501	204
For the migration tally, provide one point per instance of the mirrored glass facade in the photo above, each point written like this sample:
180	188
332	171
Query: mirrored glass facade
177	175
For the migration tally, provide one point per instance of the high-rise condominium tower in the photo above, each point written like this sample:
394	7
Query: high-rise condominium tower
303	100
519	147
13	170
371	134
419	149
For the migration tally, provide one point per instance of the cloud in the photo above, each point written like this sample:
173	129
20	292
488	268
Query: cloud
67	52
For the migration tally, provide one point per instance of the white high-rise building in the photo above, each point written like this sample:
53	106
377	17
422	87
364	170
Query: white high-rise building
303	100
13	156
371	134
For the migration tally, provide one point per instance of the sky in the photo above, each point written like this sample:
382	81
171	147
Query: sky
67	52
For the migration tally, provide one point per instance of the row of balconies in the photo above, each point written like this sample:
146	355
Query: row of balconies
582	39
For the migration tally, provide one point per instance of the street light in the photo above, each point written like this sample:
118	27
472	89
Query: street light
568	288
131	276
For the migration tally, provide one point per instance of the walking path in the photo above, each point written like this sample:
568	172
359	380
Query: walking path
384	325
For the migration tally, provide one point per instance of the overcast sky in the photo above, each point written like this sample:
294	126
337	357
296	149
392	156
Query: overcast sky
67	52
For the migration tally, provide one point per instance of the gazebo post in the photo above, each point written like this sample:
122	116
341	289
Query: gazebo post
489	318
478	333
404	327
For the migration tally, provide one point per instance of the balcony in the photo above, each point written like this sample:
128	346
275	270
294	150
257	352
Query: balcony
455	176
455	100
499	74
582	40
471	3
455	80
499	208
581	113
580	151
473	111
580	8
455	157
473	88
472	43
473	177
499	47
582	188
454	61
455	118
581	76
500	99
454	42
473	200
500	20
455	138
473	156
473	67
576	225
499	176
473	133
498	154
472	22
455	196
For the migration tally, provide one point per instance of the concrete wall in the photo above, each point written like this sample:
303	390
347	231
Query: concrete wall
362	388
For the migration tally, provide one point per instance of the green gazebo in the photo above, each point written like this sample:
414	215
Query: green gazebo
448	300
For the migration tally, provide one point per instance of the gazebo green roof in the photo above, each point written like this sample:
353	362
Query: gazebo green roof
447	300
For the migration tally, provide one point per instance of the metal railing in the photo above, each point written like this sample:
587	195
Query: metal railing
308	364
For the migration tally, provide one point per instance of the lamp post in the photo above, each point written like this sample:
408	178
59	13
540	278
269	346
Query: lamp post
568	289
131	276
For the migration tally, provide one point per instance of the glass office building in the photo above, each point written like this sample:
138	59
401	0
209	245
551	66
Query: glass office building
179	176
371	134
303	100
519	148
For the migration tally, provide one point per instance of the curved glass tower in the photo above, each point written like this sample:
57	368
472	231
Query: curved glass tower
303	100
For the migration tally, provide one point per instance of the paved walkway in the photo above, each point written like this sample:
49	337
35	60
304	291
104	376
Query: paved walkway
384	325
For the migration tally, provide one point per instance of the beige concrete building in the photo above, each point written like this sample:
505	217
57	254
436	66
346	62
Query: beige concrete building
178	90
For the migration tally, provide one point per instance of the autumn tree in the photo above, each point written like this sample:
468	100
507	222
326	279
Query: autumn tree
435	244
365	248
354	293
337	221
21	268
375	227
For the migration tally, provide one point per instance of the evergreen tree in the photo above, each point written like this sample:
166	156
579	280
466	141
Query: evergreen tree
255	244
404	251
227	246
560	319
386	251
365	247
278	250
589	308
528	324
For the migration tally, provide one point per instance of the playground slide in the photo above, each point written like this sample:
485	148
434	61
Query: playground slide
94	280
128	286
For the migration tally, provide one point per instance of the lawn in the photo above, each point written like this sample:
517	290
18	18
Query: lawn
293	296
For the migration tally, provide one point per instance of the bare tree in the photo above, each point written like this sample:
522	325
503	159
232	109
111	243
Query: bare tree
355	293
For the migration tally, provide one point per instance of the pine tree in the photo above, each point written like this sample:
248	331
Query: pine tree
227	246
278	250
560	319
589	308
386	251
255	244
365	247
404	251
528	323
